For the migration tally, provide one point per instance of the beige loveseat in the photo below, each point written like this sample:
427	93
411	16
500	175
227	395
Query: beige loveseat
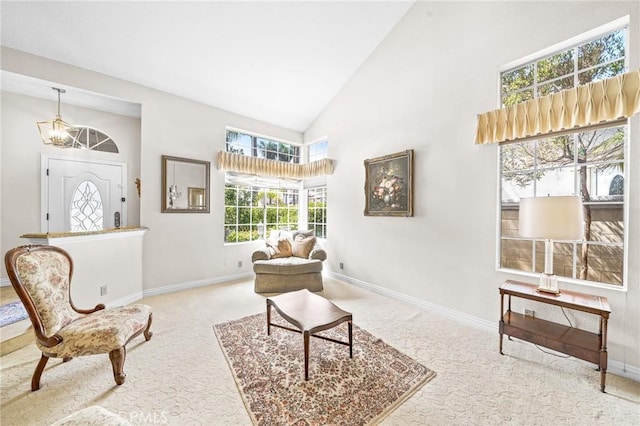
290	260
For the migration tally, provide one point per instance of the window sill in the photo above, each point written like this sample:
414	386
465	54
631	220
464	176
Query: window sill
565	280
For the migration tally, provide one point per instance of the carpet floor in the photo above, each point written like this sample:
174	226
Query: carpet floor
181	377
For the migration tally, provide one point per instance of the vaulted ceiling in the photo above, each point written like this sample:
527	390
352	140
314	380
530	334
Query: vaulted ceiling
280	62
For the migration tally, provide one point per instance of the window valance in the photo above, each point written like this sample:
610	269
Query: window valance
582	106
264	167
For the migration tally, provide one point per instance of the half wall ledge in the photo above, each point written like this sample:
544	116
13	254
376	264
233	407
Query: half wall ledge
48	238
107	264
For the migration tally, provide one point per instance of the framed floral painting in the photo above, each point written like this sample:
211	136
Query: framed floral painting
389	185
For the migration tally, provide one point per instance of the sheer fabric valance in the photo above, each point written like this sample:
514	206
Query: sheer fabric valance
264	167
590	104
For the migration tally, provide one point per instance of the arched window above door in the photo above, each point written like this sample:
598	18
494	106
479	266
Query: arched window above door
89	138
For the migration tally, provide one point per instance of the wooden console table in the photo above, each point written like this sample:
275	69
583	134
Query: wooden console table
591	347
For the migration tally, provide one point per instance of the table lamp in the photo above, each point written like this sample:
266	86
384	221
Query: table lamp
550	218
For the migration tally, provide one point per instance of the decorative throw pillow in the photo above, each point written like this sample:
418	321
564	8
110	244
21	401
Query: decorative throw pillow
302	246
308	233
281	247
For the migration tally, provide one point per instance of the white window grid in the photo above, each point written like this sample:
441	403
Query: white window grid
252	145
256	204
534	88
317	210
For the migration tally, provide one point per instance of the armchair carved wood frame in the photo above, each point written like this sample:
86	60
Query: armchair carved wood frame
41	276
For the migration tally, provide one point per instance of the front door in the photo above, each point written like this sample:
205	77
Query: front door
83	194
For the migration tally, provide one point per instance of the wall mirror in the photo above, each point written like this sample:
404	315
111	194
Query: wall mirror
185	185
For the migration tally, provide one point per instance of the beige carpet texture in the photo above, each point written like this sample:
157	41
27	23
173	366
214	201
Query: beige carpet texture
181	376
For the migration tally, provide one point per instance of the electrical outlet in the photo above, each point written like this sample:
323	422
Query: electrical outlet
239	263
103	290
341	265
529	313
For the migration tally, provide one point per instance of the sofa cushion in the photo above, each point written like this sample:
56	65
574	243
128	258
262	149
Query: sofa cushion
281	247
302	245
287	266
307	233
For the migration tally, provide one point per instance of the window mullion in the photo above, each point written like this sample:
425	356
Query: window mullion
576	82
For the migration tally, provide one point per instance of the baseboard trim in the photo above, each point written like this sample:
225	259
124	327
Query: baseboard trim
614	367
172	288
5	282
131	298
625	370
457	315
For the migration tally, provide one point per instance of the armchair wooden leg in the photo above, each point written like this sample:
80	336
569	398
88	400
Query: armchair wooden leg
35	380
147	332
117	357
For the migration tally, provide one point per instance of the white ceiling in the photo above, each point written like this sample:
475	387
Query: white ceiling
280	62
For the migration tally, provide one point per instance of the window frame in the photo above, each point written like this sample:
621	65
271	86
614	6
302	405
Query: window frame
322	155
313	225
573	42
251	182
255	137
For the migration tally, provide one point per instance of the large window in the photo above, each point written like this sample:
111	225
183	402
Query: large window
318	150
256	205
257	146
251	209
317	211
590	164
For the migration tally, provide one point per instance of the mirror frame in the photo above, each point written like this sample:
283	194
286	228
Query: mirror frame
190	193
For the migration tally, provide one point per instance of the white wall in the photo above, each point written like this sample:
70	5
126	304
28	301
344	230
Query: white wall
422	89
111	260
179	249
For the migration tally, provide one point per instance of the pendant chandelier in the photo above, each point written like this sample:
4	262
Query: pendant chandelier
55	132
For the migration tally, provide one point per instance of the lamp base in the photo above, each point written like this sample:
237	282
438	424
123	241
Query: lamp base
548	284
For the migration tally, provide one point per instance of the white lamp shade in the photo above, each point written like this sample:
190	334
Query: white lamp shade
553	218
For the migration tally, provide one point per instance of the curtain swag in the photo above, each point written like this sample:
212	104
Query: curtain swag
590	104
264	167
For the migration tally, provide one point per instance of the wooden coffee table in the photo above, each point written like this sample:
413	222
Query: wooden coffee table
310	313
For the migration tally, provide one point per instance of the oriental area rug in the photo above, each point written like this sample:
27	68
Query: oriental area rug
269	373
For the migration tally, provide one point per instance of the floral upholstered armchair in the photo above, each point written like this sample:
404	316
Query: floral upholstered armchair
41	276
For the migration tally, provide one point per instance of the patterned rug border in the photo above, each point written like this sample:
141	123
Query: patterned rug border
12	312
381	416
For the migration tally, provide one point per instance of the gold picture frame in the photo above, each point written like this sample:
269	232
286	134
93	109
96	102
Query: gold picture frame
388	185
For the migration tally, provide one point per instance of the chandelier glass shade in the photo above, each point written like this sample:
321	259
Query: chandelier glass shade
55	132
